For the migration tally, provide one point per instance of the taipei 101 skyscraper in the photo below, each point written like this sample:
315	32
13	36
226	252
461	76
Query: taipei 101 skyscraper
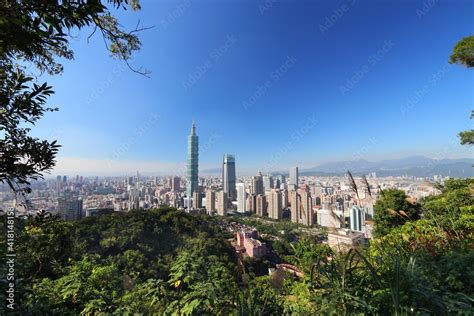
193	153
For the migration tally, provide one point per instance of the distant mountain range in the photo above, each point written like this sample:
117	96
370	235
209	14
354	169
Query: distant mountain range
418	166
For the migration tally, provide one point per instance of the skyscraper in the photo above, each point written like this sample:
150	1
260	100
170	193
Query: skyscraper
267	183
193	152
210	201
241	198
257	184
293	178
356	218
228	177
306	209
175	184
295	206
70	208
274	204
261	209
221	203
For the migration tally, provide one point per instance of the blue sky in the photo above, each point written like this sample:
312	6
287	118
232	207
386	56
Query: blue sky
277	83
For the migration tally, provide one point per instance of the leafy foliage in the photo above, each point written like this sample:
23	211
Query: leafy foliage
393	209
37	32
467	137
160	261
463	52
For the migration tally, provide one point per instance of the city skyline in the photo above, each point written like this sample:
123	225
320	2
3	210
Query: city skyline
351	100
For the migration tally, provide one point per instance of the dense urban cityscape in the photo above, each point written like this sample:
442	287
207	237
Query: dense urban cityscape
329	202
244	158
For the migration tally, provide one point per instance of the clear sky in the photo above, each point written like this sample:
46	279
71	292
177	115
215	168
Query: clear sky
276	83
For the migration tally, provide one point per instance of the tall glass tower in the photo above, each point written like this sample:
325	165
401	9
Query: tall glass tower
193	153
228	176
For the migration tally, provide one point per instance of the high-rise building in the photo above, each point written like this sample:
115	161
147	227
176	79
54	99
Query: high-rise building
306	209
70	209
294	178
261	202
221	203
257	184
274	204
228	177
284	199
175	184
356	218
193	153
241	198
267	183
281	182
295	206
210	201
251	203
197	202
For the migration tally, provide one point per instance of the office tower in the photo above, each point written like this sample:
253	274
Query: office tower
281	178
251	203
210	200
175	184
284	199
197	202
70	209
306	210
293	178
64	179
241	198
193	153
295	206
274	204
356	218
267	183
221	203
228	177
58	184
133	201
276	183
261	207
257	184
